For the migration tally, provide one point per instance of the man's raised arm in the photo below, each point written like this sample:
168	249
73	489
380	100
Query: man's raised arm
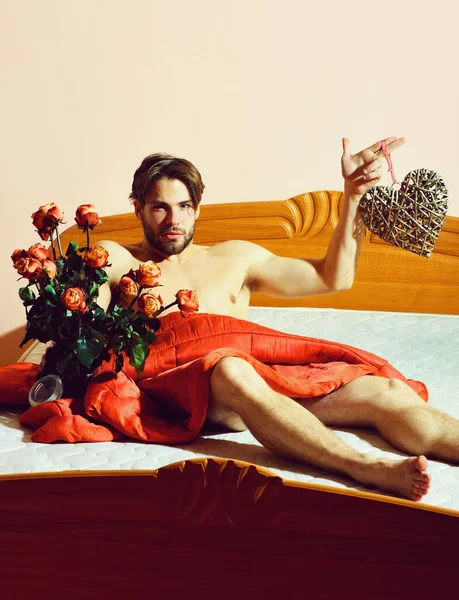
297	278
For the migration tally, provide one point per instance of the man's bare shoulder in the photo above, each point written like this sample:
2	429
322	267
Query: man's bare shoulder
246	254
238	248
121	258
122	251
113	246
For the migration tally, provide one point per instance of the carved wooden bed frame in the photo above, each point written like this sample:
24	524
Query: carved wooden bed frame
388	278
217	527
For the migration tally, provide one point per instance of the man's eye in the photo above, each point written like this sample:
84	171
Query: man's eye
186	205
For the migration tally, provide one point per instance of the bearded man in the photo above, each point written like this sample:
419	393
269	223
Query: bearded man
166	194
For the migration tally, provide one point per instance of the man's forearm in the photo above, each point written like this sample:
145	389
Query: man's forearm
340	262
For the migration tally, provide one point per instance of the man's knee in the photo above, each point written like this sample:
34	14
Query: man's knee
230	377
398	389
392	394
232	372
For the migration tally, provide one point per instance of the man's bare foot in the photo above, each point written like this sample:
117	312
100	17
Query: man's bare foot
408	477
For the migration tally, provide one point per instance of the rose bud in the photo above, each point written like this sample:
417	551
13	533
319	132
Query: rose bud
188	302
148	274
49	267
47	215
54	214
17	254
46	218
86	216
38	251
30	268
128	287
74	299
149	304
39	217
96	257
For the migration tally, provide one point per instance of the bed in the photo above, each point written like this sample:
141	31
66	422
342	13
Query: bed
223	516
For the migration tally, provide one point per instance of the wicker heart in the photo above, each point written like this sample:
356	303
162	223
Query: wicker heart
410	217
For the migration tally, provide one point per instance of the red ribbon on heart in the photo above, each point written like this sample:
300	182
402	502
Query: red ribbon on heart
389	160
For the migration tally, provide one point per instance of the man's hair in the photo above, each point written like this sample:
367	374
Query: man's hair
166	166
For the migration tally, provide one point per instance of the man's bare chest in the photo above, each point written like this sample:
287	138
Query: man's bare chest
218	281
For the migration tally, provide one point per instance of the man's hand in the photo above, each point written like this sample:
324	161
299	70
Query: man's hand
363	171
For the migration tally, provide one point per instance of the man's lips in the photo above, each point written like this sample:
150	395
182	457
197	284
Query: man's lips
172	235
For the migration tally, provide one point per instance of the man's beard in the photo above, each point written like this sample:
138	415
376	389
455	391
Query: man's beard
168	247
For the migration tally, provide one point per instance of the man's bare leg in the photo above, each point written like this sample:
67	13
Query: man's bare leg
396	411
240	397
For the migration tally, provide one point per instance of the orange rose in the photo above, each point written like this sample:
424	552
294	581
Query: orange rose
188	302
148	274
128	287
86	216
149	304
30	268
46	218
96	257
17	254
49	267
38	251
74	299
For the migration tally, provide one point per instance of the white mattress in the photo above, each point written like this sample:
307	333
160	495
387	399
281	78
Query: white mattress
424	347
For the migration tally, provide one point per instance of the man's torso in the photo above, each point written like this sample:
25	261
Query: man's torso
218	274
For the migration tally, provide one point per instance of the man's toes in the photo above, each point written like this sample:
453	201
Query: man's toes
421	463
420	488
424	477
416	497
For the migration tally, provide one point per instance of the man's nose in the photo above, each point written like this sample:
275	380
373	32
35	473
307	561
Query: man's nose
172	217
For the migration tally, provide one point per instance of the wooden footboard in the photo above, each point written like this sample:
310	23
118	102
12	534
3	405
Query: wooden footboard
388	278
216	529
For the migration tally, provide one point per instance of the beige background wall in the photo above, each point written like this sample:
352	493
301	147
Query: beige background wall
257	93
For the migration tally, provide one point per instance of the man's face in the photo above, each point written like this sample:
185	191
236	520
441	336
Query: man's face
168	217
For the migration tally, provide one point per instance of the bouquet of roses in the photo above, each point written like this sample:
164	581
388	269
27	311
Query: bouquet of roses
60	299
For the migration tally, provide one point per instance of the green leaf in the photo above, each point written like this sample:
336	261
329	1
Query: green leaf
28	336
100	275
72	248
26	294
75	263
87	350
136	337
137	356
150	337
50	289
51	303
99	311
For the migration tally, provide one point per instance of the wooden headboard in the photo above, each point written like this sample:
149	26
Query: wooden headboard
388	278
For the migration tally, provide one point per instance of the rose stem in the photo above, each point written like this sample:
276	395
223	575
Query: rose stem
171	304
52	245
59	241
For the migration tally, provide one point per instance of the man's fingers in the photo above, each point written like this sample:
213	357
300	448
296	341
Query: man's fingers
376	163
346	147
375	174
394	143
389	140
391	144
374	147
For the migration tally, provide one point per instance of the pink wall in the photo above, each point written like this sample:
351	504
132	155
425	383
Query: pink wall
257	93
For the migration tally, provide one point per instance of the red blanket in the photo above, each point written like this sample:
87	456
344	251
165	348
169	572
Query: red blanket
169	404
